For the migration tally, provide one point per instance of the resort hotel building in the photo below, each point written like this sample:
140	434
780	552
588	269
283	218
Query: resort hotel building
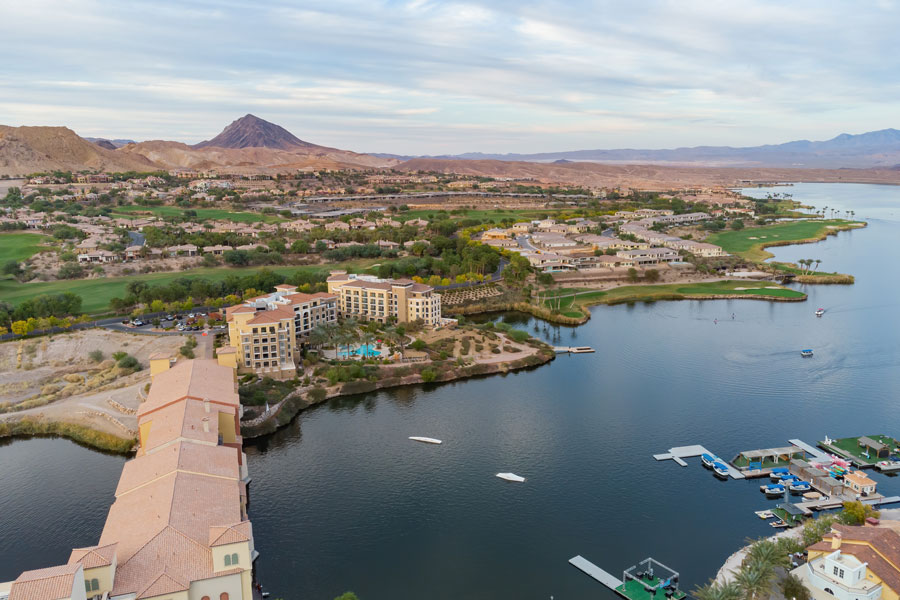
266	332
369	298
178	527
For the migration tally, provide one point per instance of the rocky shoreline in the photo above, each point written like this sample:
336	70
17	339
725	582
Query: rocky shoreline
302	398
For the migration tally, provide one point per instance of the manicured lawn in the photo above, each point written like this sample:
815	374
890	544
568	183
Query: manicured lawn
19	246
220	214
851	446
673	291
750	243
635	591
96	293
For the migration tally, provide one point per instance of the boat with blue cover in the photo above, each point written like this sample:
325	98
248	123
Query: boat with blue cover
778	473
799	487
806	353
772	489
720	470
708	460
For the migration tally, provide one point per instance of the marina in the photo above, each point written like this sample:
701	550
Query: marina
679	453
642	581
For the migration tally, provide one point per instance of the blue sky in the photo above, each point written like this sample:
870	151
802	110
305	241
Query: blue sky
427	77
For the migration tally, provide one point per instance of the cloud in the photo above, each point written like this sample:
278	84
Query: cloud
432	76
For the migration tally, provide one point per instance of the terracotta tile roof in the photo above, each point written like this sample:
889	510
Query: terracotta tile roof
274	315
93	556
182	420
187	502
301	298
200	378
859	478
231	534
164	584
217	461
52	583
878	546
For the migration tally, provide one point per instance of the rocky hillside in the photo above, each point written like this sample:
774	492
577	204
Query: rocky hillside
25	150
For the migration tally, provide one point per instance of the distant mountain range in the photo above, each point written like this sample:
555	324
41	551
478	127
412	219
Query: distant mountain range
253	145
866	150
248	145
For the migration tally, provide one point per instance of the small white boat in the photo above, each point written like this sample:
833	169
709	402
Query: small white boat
765	514
511	477
426	440
820	312
799	487
720	470
806	353
708	460
888	466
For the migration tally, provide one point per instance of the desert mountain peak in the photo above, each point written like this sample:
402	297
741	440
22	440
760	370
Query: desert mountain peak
252	132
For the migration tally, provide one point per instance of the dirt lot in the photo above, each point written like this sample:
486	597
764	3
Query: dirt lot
60	382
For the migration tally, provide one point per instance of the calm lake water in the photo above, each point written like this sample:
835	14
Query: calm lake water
341	500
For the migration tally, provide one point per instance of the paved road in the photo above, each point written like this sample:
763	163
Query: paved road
137	238
525	242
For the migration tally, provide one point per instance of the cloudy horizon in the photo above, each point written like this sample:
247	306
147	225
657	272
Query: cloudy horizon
426	77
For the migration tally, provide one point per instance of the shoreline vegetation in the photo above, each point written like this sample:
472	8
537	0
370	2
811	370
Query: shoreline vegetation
751	244
565	307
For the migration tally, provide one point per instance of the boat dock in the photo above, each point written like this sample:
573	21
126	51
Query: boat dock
573	349
680	453
831	503
814	452
596	572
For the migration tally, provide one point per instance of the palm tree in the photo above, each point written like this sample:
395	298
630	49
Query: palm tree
719	591
766	552
326	333
755	580
348	334
367	338
818	262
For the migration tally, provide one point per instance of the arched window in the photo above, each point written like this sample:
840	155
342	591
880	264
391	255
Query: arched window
227	560
223	596
234	559
95	585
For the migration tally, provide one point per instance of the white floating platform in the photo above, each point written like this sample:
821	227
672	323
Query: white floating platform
596	572
573	349
511	477
811	450
681	452
425	440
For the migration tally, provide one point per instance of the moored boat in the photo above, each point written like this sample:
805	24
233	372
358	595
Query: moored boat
800	487
720	470
778	473
708	460
425	440
772	489
888	466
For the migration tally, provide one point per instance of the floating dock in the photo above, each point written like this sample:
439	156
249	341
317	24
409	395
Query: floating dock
680	453
813	452
863	451
639	582
596	572
573	349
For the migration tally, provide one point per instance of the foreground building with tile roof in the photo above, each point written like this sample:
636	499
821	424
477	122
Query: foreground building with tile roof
178	528
854	563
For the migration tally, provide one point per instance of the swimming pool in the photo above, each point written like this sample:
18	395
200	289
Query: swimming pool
363	350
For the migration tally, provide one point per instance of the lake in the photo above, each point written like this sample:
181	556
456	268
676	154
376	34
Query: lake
341	500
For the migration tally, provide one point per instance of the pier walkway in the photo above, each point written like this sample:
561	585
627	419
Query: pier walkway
814	452
573	349
596	572
680	453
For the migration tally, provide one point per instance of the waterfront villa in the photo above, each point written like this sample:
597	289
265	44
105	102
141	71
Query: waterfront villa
178	528
860	483
854	563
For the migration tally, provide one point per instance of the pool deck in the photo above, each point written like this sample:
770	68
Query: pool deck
681	452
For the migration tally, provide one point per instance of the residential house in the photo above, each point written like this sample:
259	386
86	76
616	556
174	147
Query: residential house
649	256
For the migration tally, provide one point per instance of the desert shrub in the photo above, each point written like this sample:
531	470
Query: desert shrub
129	362
419	345
316	394
517	335
96	355
428	375
117	356
495	350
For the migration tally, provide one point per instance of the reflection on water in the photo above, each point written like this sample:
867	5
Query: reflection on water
341	499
